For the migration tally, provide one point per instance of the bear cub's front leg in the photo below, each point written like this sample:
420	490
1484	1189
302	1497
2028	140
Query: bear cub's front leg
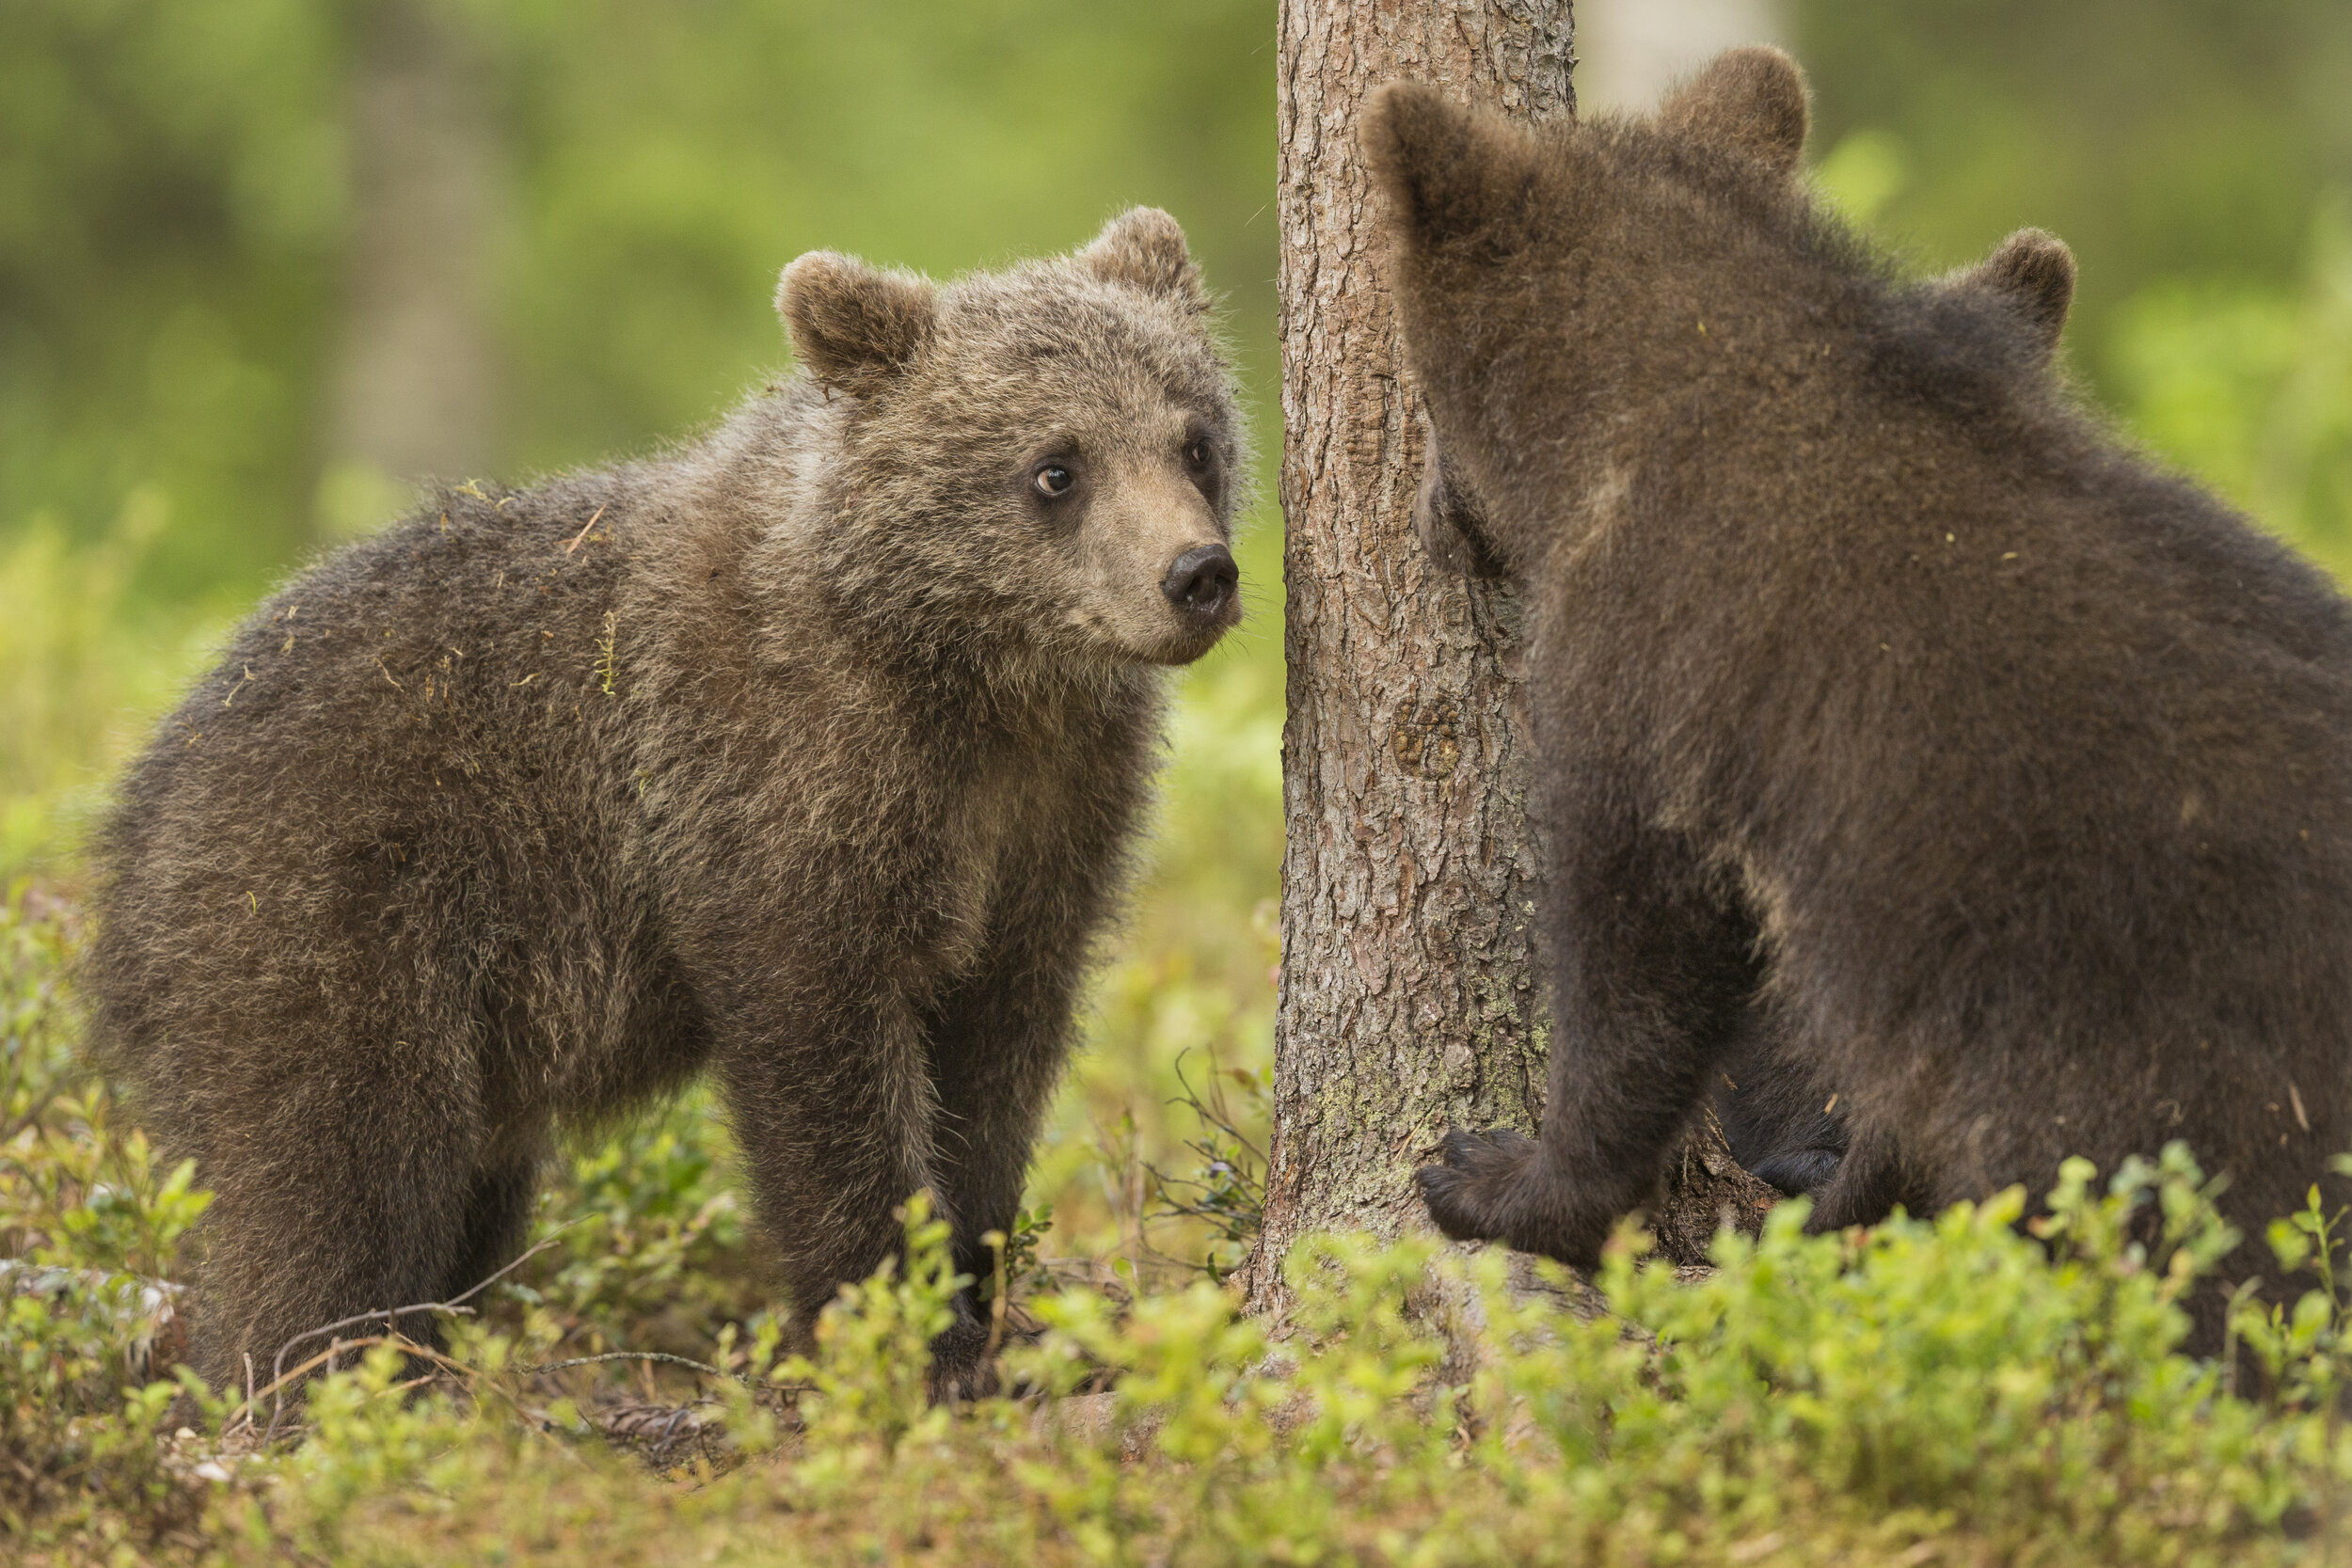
1471	1192
1655	978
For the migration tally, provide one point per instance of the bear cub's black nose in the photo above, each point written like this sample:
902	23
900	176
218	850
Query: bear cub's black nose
1202	580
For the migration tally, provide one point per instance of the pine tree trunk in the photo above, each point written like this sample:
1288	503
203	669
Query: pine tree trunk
1410	1000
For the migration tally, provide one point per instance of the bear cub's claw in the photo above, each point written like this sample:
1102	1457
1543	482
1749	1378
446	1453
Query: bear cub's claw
1468	1193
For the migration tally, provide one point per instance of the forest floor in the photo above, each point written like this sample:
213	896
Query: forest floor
1947	1391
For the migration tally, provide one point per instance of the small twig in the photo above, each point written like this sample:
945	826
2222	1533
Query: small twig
1215	1116
746	1379
630	1356
401	1342
301	1370
454	1306
367	1341
582	534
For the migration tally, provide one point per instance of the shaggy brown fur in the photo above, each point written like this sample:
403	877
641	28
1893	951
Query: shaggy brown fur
810	751
1777	1121
1871	679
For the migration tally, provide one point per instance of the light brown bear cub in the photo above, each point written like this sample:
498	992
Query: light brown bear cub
1876	688
810	752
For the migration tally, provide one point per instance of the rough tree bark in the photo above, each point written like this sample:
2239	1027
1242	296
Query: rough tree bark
1409	995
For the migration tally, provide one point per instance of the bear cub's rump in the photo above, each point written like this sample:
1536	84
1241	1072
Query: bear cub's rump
1892	719
810	752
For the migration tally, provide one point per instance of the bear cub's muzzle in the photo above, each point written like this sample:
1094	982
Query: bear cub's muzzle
1202	584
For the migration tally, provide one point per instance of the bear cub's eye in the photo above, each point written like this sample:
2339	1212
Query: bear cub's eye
1052	479
1196	454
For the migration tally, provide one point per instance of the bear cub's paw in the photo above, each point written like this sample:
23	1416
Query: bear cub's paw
962	1367
1496	1186
1471	1193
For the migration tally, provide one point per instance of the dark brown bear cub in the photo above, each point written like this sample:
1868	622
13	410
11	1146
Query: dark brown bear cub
810	752
1876	687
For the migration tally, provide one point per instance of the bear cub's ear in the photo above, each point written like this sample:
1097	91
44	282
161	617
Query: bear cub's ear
854	326
2034	271
1449	173
1747	101
1144	248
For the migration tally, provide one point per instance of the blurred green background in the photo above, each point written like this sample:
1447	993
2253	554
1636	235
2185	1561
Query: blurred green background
262	261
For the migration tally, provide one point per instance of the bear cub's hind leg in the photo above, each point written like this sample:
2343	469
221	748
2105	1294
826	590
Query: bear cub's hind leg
319	1233
1871	1183
1780	1125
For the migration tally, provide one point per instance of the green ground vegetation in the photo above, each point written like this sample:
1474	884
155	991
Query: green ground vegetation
1946	1391
178	186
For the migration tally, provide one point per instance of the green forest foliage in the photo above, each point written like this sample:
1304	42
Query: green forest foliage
176	202
2182	139
180	186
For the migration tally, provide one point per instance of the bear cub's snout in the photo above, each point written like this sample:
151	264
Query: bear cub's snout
1203	585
